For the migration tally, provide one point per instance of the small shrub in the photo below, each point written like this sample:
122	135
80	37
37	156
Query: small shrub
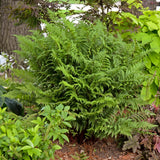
31	137
96	74
149	37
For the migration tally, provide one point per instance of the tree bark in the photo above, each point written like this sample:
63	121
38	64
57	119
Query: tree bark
150	3
8	42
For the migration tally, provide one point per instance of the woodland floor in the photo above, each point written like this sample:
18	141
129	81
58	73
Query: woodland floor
93	150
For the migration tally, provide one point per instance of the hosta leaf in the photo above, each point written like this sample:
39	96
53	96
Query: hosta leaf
2	89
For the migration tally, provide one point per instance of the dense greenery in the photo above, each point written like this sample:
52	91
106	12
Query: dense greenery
104	77
32	11
30	137
96	74
149	36
146	31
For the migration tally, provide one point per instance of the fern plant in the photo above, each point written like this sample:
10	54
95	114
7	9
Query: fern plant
95	73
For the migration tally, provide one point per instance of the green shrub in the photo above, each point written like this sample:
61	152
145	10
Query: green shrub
149	36
31	137
146	31
96	74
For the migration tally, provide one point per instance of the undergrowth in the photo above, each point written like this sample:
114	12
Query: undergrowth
33	137
146	146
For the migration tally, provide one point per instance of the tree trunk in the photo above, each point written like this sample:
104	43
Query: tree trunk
150	3
8	42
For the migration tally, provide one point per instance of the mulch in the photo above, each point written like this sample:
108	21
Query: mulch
106	149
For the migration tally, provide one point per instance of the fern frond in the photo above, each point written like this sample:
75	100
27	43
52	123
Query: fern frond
95	73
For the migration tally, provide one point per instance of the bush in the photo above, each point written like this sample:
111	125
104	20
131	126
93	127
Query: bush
31	137
149	36
95	73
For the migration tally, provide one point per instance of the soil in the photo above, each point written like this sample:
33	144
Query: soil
106	149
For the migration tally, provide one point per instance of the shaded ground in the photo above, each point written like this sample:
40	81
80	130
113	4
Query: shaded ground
93	150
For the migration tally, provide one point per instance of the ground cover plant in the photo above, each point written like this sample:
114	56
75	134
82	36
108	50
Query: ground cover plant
96	74
146	146
31	137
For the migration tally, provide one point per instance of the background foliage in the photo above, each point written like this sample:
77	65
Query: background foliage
149	37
